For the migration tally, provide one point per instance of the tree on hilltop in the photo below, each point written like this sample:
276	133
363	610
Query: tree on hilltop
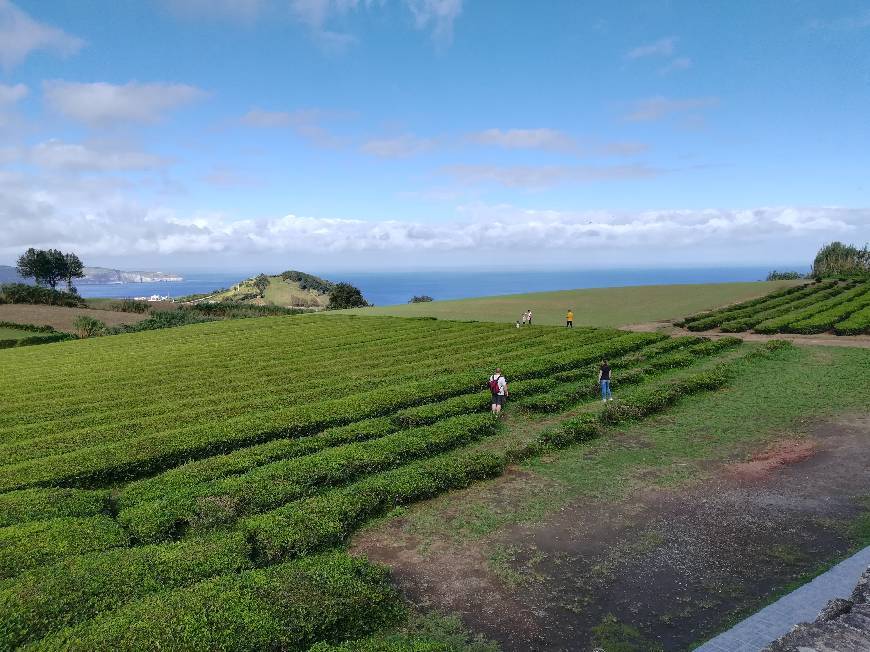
345	295
261	282
73	268
838	259
45	266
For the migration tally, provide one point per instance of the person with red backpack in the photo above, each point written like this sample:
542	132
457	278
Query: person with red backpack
498	387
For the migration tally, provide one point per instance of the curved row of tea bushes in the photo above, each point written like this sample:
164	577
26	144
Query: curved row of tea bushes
28	545
280	482
748	323
827	319
51	597
857	324
325	521
783	323
286	607
778	297
44	504
564	396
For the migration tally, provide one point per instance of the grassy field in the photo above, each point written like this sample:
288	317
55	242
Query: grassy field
13	334
148	487
62	318
606	307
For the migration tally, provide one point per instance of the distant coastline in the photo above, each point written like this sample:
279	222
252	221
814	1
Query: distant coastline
389	288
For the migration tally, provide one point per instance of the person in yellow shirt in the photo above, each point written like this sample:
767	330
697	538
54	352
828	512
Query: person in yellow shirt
570	319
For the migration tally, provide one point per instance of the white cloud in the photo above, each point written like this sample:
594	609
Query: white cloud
100	103
20	36
656	108
397	147
437	15
661	48
12	94
74	157
93	217
524	139
305	122
536	177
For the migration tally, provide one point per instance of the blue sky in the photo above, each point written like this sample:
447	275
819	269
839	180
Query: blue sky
401	133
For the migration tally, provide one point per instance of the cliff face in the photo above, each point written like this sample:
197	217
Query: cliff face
105	275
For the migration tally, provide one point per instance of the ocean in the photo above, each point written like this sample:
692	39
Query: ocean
388	288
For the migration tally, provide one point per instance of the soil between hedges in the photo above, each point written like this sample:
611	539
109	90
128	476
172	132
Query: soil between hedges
676	564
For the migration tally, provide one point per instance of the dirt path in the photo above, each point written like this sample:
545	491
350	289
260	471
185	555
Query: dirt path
669	564
821	339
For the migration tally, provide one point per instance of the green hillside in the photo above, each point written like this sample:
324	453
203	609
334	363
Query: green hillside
592	307
289	289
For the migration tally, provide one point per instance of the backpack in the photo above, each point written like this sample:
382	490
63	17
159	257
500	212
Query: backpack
493	385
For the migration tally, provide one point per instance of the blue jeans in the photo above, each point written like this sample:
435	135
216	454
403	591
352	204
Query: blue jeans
605	389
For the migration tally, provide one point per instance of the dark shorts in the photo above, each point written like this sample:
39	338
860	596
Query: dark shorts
498	399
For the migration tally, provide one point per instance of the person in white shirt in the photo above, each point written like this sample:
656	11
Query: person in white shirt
499	388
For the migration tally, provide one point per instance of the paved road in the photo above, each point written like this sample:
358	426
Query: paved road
801	605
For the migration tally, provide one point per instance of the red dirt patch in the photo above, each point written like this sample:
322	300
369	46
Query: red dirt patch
781	453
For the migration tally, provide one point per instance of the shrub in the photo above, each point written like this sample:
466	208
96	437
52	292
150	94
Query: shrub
28	327
286	607
840	260
237	310
87	326
308	281
423	298
34	294
345	295
131	305
166	319
784	276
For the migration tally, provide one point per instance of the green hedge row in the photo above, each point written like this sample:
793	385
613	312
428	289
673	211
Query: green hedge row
242	461
77	588
783	323
825	321
857	324
777	296
270	486
748	323
324	521
649	400
558	399
43	504
287	607
29	545
32	340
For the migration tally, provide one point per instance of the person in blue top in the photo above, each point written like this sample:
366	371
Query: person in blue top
604	379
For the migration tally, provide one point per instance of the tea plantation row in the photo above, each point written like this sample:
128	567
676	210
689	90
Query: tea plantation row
839	306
